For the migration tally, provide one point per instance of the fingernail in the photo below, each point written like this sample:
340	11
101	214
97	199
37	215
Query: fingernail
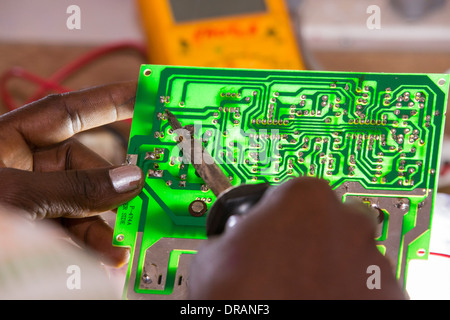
126	178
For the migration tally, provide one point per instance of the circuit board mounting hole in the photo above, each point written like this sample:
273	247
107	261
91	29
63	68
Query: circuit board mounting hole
421	252
147	72
441	82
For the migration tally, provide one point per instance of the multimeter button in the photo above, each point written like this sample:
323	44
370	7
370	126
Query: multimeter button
271	32
183	43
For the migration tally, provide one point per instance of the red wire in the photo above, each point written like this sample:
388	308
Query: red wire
67	70
18	72
440	254
53	82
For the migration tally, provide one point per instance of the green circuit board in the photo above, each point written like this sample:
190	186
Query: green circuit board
373	136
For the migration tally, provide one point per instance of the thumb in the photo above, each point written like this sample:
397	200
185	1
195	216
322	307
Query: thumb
72	193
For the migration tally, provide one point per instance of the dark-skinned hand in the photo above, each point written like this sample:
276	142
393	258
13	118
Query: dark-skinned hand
298	242
48	174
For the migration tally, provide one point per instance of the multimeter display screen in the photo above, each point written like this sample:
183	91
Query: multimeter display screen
189	10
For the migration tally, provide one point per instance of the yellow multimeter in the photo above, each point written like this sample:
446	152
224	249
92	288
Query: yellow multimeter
221	33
